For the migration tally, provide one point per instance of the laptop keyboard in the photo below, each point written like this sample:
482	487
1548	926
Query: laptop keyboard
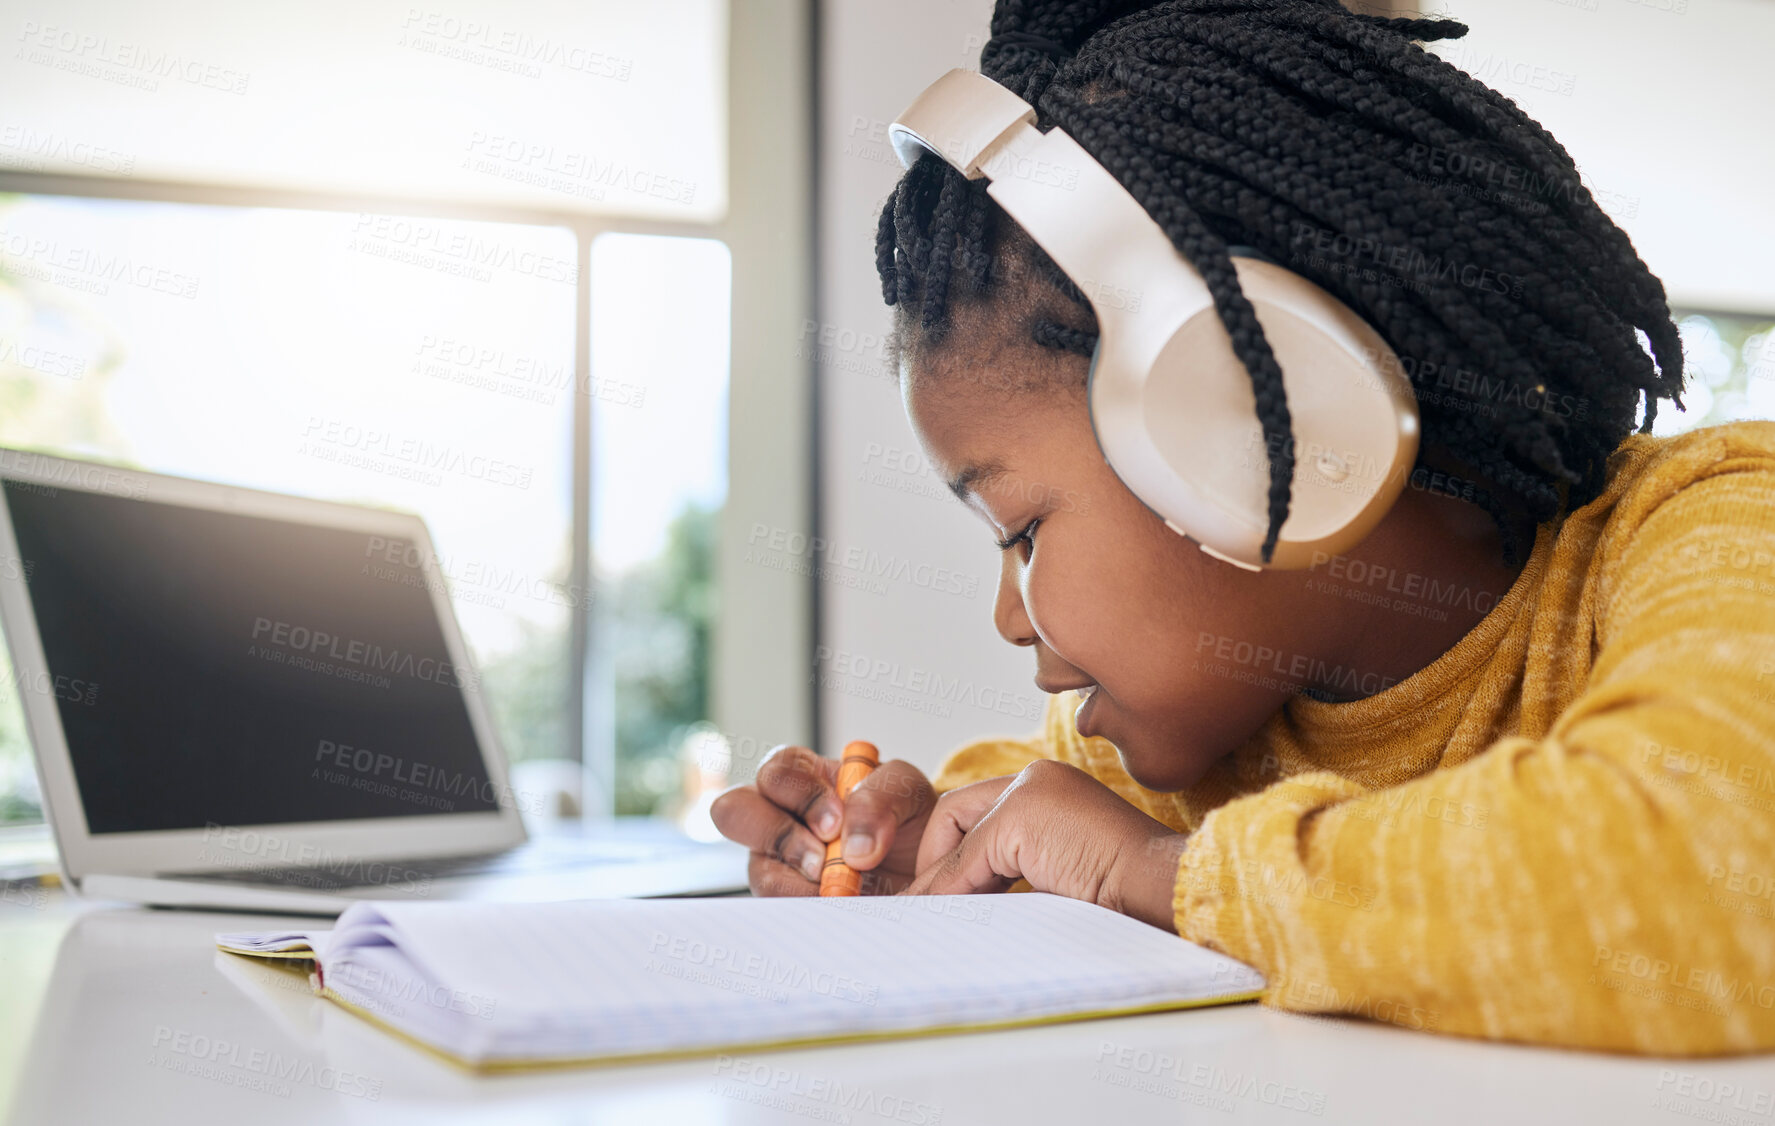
525	860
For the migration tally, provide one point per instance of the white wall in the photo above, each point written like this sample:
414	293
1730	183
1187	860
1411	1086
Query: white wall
931	650
1669	114
1662	116
759	682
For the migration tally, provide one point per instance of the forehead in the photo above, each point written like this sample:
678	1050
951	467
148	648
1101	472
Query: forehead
974	434
956	418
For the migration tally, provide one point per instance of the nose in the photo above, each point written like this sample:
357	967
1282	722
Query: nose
1008	614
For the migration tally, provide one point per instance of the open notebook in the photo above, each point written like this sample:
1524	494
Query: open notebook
540	984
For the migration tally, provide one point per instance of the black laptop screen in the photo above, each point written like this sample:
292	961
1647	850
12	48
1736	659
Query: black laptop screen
212	668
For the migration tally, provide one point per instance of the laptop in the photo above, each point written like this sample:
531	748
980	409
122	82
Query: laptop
249	701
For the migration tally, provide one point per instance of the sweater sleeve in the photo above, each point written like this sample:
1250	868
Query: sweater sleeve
1610	885
987	758
991	758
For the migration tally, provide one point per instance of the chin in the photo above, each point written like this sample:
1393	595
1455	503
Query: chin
1157	769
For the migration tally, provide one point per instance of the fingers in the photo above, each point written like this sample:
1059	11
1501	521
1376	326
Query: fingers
796	779
895	793
767	876
791	809
747	816
956	814
973	866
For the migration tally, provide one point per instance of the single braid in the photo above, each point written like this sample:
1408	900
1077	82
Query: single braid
1299	127
1052	335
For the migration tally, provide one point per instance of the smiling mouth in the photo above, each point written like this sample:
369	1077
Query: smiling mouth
1085	717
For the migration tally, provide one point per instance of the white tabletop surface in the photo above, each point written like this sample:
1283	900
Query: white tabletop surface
111	1014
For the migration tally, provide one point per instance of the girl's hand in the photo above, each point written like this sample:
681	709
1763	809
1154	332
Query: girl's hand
791	810
1060	829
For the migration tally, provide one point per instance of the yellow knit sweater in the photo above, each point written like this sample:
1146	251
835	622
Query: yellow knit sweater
1561	831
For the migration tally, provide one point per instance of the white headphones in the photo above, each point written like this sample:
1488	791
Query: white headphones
1170	401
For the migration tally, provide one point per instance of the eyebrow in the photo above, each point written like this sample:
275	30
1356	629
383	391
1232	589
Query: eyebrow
968	479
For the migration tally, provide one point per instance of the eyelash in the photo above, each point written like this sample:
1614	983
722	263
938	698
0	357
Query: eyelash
1027	535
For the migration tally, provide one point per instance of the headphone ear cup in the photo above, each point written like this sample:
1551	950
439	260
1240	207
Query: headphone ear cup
1206	465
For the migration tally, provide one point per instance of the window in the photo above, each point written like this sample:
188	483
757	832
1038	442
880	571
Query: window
351	357
420	364
1728	371
660	311
495	297
384	229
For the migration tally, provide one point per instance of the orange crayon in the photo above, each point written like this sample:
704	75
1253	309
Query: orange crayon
837	877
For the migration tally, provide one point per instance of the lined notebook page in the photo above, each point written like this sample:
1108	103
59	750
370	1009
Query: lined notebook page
599	978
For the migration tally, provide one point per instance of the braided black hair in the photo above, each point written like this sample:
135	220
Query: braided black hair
1295	126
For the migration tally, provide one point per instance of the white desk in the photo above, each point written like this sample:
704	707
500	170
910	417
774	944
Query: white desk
94	998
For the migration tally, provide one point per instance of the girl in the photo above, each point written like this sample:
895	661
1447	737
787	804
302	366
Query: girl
1506	768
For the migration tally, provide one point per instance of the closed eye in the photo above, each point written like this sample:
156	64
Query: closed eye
1027	535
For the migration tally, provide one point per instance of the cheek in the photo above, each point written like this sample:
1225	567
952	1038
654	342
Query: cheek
1122	606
